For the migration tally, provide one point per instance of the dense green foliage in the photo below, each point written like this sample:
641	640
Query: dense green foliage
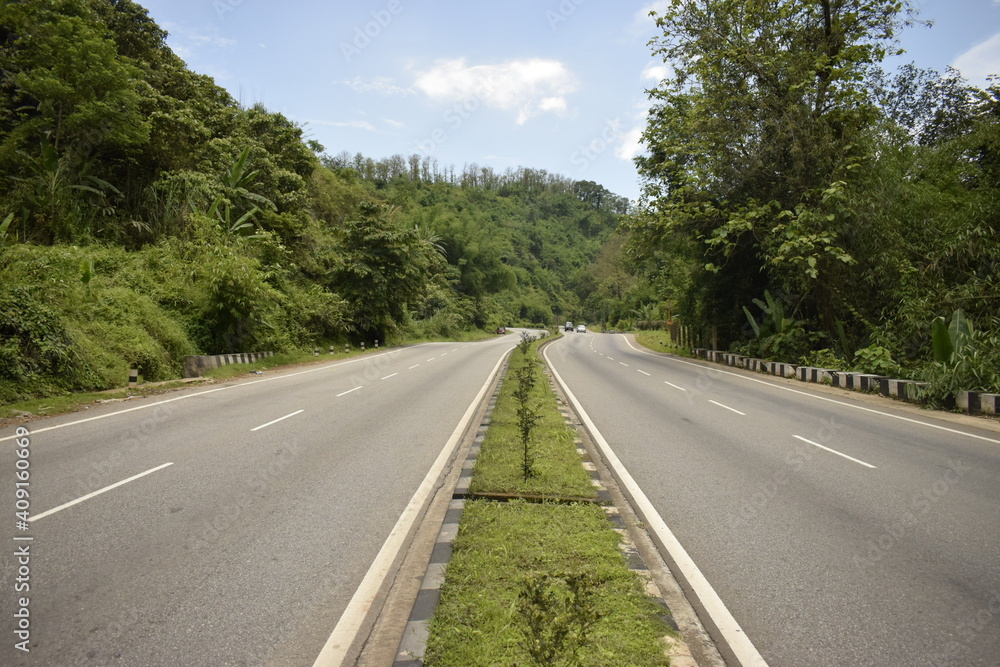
798	198
145	215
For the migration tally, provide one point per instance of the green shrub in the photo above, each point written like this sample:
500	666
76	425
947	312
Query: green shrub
877	360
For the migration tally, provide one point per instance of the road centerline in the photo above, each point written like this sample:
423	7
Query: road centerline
644	372
97	493
275	421
674	385
349	391
390	376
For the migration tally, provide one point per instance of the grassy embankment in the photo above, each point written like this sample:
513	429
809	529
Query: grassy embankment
72	401
539	583
659	341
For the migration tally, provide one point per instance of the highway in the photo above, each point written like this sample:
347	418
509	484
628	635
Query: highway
232	523
835	530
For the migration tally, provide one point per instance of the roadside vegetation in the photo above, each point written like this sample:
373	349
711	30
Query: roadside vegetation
539	583
146	215
809	205
659	341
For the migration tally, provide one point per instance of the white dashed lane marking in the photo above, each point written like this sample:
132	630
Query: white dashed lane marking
727	407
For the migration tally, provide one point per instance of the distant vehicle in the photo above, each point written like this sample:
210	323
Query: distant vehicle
501	330
568	327
582	328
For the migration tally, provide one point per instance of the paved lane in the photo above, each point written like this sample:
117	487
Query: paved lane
835	531
246	550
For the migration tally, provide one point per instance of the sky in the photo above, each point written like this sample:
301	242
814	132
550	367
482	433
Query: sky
558	85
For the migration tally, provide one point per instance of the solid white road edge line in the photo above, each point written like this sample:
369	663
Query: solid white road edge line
97	493
202	393
270	423
834	451
818	398
727	407
731	631
335	650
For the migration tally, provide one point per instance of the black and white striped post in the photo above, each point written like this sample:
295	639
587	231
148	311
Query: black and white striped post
133	378
315	351
376	343
331	349
362	346
347	348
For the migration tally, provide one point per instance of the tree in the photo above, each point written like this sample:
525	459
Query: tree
753	142
383	270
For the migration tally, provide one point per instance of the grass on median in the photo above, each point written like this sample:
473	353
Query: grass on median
556	464
539	583
503	553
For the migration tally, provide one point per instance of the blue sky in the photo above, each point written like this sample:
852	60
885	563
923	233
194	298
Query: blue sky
547	84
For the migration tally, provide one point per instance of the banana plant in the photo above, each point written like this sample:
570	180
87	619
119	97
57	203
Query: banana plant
236	180
950	340
4	227
777	334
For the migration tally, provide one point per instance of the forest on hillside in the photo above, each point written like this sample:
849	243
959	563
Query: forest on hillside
812	207
146	215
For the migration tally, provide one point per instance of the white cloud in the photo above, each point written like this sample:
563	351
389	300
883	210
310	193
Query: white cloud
656	72
381	85
631	144
981	60
642	21
393	123
556	104
527	87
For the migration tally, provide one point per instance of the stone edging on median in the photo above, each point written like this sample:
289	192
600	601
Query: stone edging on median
973	402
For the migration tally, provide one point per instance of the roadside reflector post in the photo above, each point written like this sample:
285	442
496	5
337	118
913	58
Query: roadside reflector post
133	378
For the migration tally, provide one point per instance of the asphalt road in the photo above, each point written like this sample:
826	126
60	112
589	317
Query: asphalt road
274	498
835	530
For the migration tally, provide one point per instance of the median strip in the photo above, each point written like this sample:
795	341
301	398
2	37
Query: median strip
537	573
